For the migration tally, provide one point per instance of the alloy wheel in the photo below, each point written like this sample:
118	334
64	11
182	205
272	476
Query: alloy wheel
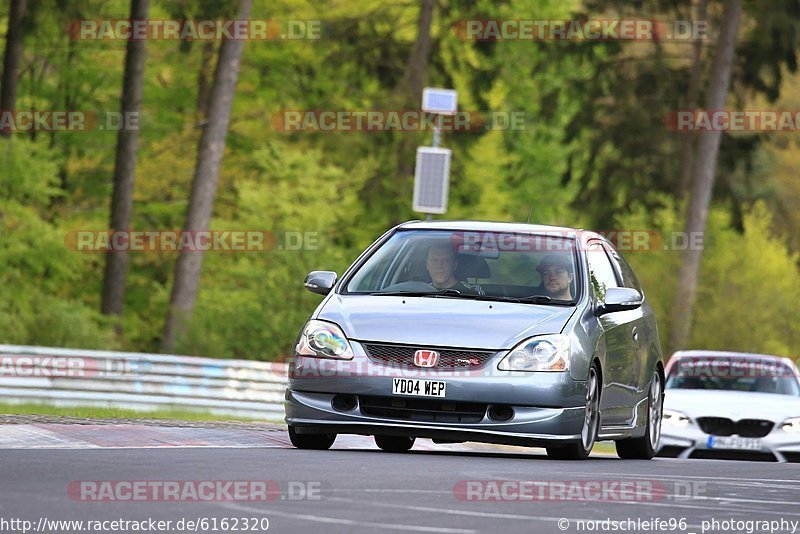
592	417
656	410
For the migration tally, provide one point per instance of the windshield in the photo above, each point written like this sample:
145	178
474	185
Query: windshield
755	376
479	265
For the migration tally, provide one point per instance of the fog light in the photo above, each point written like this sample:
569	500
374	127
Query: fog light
501	413
344	403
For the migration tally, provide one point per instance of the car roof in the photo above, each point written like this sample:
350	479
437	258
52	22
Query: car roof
493	226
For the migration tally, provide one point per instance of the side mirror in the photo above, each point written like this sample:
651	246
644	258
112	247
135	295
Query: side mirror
320	281
619	299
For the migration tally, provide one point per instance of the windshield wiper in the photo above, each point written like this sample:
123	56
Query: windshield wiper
442	292
534	299
449	292
544	299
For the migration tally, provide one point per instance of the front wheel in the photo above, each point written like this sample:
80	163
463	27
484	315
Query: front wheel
591	423
645	447
311	441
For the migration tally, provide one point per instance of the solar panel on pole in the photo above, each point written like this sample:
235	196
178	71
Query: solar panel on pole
432	171
431	180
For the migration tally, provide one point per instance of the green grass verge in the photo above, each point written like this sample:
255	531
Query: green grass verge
113	413
605	447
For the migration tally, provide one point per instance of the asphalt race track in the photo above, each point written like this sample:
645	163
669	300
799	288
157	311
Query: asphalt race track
46	468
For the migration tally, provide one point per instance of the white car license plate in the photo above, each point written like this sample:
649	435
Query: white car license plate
734	442
415	386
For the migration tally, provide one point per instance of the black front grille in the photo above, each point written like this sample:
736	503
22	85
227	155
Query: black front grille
403	356
718	426
754	428
746	428
423	410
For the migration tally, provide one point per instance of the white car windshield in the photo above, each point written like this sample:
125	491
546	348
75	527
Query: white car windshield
735	375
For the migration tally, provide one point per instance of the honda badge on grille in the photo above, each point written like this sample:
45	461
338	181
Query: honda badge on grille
426	358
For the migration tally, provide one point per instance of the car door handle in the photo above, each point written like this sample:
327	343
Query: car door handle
635	334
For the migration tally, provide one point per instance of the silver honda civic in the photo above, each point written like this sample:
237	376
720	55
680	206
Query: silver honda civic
478	331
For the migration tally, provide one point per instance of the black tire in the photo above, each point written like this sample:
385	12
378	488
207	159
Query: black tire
394	443
580	450
311	441
646	447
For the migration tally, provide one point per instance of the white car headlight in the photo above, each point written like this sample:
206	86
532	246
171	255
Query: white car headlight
676	419
791	425
324	340
540	353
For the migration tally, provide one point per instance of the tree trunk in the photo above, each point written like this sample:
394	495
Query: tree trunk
417	67
116	269
204	185
693	92
202	81
410	87
8	90
704	170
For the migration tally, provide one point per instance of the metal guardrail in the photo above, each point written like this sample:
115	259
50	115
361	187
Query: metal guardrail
74	377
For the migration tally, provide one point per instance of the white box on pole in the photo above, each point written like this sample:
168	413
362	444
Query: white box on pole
431	180
442	101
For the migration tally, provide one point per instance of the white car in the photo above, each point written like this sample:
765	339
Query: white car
731	405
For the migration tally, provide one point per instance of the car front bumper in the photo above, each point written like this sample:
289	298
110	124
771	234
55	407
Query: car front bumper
691	441
548	408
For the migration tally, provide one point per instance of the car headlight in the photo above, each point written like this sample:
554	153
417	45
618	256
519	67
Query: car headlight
791	425
323	340
540	353
676	419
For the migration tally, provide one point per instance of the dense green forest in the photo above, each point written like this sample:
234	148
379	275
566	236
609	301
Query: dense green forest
594	152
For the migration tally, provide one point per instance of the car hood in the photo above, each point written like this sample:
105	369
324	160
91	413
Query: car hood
732	404
447	322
